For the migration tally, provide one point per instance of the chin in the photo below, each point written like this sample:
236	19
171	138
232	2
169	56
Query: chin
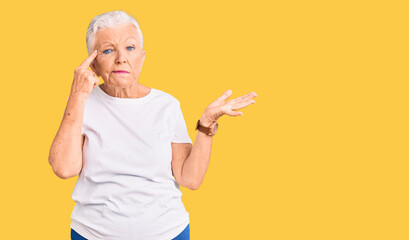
119	83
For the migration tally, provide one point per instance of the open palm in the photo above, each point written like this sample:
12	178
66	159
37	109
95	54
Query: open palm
220	107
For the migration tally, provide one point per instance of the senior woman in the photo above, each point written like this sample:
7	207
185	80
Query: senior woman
128	143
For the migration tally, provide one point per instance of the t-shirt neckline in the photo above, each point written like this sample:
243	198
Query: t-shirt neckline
104	95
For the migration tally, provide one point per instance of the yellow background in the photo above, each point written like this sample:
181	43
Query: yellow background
323	154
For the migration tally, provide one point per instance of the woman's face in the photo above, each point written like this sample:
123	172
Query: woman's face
118	48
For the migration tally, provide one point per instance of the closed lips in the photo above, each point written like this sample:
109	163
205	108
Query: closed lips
120	71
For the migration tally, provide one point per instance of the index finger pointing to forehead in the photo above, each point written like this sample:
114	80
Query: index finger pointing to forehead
89	59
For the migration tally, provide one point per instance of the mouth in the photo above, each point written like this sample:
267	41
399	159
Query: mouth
120	71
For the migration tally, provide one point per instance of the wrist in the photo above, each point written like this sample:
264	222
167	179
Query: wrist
206	122
80	97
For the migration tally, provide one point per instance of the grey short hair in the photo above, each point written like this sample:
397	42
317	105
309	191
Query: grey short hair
109	19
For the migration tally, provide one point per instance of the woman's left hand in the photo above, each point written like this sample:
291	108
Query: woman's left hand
219	107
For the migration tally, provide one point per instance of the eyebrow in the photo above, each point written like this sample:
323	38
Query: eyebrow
111	43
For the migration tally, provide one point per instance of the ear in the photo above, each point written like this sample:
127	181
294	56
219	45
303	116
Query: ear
143	60
94	68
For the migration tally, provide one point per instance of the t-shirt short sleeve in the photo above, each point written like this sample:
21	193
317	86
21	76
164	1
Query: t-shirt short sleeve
181	134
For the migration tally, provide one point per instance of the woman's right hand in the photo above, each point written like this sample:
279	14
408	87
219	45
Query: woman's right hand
84	80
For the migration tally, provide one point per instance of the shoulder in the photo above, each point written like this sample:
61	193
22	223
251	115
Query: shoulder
167	96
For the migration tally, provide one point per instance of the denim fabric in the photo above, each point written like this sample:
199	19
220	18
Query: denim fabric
184	235
76	236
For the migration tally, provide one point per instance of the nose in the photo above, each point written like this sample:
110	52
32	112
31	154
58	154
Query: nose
120	57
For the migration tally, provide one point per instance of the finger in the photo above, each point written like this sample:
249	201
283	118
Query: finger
225	96
96	80
234	114
92	73
89	59
246	97
91	76
240	105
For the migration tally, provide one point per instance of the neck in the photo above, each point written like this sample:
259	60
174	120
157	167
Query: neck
132	91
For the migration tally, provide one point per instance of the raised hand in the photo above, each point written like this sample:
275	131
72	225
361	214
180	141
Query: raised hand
220	107
84	79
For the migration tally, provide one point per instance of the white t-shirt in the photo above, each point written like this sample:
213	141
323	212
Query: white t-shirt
126	188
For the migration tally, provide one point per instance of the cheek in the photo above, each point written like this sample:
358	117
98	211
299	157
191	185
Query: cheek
135	58
103	66
136	62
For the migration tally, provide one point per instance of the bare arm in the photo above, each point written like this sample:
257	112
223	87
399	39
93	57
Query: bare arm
194	168
190	163
65	155
197	162
66	150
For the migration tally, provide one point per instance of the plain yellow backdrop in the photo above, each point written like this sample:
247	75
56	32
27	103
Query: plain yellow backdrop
323	154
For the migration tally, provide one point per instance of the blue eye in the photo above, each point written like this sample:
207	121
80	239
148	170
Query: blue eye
106	50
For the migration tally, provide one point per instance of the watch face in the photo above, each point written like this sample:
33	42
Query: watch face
215	128
197	124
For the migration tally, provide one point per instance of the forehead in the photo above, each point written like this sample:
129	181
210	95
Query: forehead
119	34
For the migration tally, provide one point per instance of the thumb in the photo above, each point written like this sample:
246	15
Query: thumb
225	95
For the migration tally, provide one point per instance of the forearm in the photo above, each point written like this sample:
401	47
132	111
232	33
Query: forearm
195	166
65	155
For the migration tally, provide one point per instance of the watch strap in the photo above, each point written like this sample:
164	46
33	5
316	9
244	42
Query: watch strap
203	129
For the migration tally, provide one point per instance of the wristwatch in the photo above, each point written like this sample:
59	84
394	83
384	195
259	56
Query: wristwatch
211	131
